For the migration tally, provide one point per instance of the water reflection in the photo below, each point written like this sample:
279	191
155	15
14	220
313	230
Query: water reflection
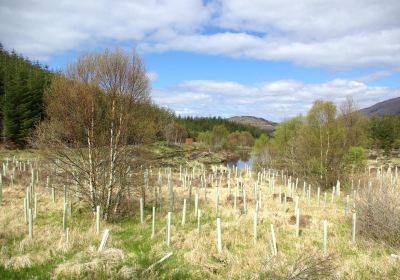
242	161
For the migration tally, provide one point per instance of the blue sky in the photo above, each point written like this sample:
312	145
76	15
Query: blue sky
264	58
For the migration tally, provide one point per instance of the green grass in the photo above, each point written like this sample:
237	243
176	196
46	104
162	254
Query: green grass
42	271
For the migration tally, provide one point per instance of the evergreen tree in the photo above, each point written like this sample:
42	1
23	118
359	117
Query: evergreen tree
22	84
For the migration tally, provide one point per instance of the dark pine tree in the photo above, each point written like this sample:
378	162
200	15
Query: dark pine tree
22	84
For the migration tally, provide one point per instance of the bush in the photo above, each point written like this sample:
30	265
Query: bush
310	266
379	214
355	158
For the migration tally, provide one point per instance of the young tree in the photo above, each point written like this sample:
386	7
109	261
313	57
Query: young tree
324	137
90	114
175	133
353	123
246	139
286	144
219	135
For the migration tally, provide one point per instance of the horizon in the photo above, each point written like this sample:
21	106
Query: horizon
226	58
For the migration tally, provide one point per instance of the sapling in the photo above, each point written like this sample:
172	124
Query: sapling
153	223
353	235
196	204
104	240
36	206
219	235
141	210
30	223
184	212
255	220
273	240
97	219
65	217
199	221
168	238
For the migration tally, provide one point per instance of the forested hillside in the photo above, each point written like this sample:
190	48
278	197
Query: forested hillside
195	125
22	84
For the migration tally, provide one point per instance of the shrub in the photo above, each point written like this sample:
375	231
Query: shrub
379	214
308	266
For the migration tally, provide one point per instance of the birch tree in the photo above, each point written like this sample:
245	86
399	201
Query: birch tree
90	112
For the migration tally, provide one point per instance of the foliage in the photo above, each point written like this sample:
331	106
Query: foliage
175	133
318	147
94	113
195	125
220	137
22	84
355	158
385	133
261	143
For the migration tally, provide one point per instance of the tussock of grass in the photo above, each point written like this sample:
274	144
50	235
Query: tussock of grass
91	263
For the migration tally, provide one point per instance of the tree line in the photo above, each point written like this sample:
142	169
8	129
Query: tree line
328	143
195	125
22	106
22	84
220	138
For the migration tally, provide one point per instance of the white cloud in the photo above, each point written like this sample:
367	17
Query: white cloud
364	49
329	33
273	100
374	76
47	27
310	19
153	76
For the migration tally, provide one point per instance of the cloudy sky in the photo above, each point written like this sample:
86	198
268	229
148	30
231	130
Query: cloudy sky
266	58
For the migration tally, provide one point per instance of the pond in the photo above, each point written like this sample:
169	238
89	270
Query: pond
244	160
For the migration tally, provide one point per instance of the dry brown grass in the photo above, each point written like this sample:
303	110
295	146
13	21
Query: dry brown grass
378	210
298	257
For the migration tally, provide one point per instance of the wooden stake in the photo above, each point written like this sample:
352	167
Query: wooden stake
98	219
67	236
196	204
199	221
36	206
184	212
53	194
153	223
325	236
354	228
104	240
65	217
255	220
219	235
273	239
30	223
141	211
158	262
298	222
169	218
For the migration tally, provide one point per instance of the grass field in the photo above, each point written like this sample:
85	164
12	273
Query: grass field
131	250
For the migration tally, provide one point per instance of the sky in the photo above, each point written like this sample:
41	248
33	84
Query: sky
262	58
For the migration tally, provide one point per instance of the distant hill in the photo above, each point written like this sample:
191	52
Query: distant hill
254	121
387	107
